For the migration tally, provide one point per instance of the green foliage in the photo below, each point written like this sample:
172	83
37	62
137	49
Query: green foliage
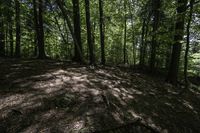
59	43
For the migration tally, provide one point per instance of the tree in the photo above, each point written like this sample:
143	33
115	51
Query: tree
156	18
188	43
35	13
178	40
101	23
2	36
89	33
38	20
125	36
41	53
67	18
77	30
142	47
18	29
146	15
10	26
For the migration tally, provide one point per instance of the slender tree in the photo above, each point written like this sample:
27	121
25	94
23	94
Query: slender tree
89	32
39	29
18	29
67	18
41	47
178	40
125	36
77	30
156	4
101	23
10	27
142	44
133	32
188	43
2	36
36	27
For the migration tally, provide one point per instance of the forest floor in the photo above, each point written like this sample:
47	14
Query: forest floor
49	96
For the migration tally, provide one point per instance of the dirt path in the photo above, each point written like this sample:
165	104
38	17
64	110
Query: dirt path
48	96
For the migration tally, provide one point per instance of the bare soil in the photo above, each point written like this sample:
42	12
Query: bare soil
59	97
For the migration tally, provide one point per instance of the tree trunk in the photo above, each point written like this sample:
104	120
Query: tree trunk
103	60
154	42
2	36
36	45
134	41
36	27
65	14
18	29
142	44
89	32
40	36
11	38
10	27
178	39
125	29
77	30
6	40
188	44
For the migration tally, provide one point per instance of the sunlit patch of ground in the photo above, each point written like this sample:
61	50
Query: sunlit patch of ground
48	96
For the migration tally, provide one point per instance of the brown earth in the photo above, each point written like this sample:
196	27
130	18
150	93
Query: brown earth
49	96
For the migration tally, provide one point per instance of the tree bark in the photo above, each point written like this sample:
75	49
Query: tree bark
11	37
89	32
154	42
188	44
10	29
35	13
77	30
41	47
2	36
178	40
66	16
125	29
18	29
103	60
142	44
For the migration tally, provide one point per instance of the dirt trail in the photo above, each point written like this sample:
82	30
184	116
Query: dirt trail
48	96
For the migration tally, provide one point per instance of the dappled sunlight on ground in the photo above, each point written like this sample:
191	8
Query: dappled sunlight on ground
48	96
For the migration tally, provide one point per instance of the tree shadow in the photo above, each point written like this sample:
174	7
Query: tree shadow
50	96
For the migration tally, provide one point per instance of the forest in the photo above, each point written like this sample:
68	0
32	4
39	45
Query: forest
99	66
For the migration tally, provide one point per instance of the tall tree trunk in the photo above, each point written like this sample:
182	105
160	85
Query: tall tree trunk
18	29
188	44
133	33
178	38
11	38
36	27
103	60
66	16
93	38
36	45
125	29
10	26
89	32
40	36
2	36
154	43
77	30
142	44
6	40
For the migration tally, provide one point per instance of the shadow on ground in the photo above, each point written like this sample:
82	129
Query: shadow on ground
48	96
